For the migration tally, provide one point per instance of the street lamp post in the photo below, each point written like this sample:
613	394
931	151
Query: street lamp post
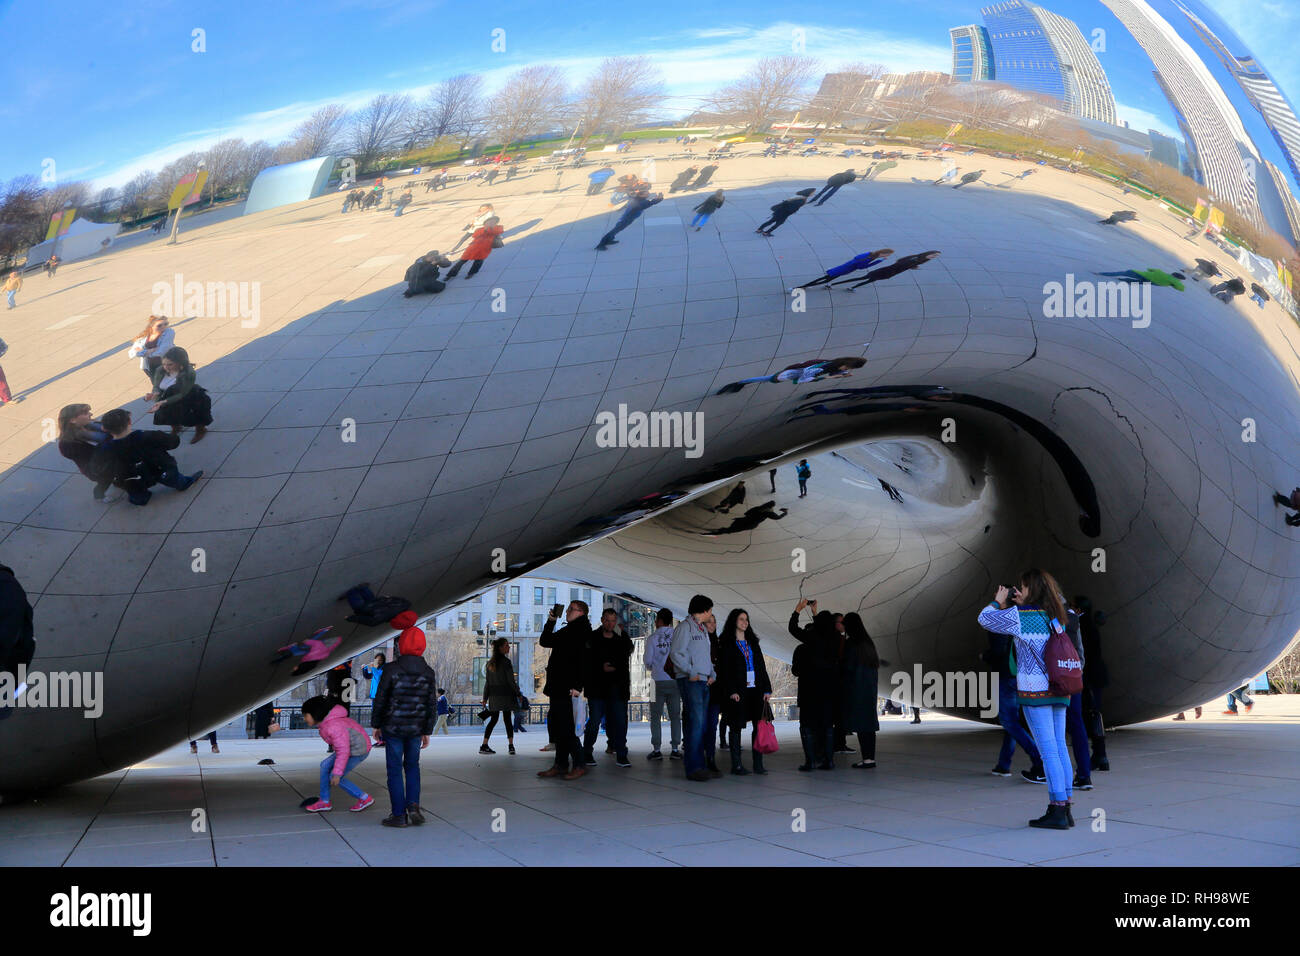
176	222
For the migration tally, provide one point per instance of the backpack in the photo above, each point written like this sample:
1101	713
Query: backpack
804	471
104	466
1061	661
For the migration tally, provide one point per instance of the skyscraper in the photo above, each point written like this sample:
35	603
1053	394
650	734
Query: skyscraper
1039	51
1217	142
972	57
1260	89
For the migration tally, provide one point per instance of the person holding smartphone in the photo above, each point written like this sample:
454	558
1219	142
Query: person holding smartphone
564	681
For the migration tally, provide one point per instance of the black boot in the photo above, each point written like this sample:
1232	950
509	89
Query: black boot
758	763
809	761
828	751
1069	814
1055	818
737	767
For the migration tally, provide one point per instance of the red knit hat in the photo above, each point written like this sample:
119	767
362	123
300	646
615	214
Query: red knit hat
411	640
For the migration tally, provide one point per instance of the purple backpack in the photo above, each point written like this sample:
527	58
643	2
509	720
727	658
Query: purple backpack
1061	661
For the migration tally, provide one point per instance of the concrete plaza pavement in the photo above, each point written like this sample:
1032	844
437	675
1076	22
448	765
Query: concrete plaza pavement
1211	792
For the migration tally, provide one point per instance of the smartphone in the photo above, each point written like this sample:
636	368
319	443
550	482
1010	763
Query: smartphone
557	610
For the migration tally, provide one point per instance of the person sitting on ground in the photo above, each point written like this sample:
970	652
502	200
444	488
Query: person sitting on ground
79	437
179	401
1205	268
1227	291
1259	294
422	275
136	460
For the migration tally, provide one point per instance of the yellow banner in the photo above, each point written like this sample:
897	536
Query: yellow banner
68	216
54	225
1202	209
188	189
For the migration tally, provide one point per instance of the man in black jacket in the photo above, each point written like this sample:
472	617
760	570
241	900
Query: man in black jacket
565	676
833	186
608	687
405	707
818	684
17	640
135	460
783	211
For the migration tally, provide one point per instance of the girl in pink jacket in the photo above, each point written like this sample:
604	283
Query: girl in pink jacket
351	745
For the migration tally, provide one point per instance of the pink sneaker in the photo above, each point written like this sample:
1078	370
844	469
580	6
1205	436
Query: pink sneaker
361	804
320	806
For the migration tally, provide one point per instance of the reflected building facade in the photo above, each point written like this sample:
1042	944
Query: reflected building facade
1039	51
972	55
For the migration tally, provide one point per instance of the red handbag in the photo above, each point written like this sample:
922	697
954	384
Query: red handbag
765	734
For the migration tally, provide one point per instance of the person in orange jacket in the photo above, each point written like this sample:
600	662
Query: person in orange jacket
479	248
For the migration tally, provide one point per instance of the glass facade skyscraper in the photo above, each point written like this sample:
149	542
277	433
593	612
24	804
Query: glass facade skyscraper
972	56
1039	51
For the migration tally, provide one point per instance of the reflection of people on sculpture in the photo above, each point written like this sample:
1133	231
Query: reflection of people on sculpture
684	177
1258	294
802	373
750	519
1154	276
1227	291
898	267
863	260
890	490
705	175
735	497
313	649
1292	502
969	178
371	609
422	275
1124	215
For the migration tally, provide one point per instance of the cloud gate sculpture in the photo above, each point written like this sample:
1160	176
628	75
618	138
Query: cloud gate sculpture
585	411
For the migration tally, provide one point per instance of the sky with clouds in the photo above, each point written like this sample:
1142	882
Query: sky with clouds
126	91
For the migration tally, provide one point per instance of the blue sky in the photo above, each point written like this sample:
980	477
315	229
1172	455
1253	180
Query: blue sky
107	90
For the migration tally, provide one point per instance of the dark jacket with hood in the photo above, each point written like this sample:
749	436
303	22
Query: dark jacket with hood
136	461
406	703
615	650
841	179
819	663
566	668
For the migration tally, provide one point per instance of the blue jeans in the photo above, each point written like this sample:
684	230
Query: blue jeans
700	218
613	712
327	769
1078	736
695	709
1012	732
10	295
1242	694
1047	724
402	755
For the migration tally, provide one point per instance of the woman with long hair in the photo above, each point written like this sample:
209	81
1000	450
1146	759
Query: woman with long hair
500	694
860	681
151	343
744	684
79	436
1031	614
179	400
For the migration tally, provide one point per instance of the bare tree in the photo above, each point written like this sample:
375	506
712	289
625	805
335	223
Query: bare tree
171	174
65	195
452	109
20	216
319	134
136	192
773	89
377	128
531	101
257	157
223	162
621	93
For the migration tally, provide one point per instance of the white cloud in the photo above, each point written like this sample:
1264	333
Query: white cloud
694	63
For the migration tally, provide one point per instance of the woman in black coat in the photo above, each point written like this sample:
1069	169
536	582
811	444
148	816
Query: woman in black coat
744	685
179	400
860	680
500	694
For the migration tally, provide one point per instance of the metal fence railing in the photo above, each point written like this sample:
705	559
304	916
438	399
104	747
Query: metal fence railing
289	716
